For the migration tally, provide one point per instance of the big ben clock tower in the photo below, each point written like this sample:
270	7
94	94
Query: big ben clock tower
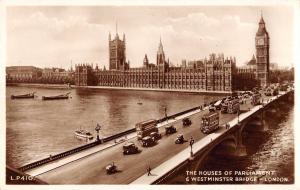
262	43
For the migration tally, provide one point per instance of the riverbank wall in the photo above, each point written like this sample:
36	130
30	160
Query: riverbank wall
65	86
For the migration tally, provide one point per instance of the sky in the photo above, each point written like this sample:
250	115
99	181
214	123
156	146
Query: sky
56	36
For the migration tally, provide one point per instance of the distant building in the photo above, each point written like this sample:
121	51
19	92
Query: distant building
55	72
252	64
274	66
30	74
23	73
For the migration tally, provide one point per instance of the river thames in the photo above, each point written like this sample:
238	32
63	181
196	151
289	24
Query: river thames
36	128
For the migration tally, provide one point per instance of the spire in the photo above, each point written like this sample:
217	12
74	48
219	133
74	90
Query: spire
117	35
261	18
262	27
116	27
71	69
160	47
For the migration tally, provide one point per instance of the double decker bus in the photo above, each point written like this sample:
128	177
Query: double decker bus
255	99
231	105
209	122
145	128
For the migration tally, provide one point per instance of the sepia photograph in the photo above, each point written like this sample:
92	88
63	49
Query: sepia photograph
149	94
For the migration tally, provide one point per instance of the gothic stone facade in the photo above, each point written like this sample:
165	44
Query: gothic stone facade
213	74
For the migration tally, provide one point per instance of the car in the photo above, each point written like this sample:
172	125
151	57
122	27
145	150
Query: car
179	139
130	148
186	122
212	108
218	104
148	141
111	168
155	135
170	129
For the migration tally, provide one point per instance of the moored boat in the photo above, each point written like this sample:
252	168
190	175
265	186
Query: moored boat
58	97
83	134
139	102
23	96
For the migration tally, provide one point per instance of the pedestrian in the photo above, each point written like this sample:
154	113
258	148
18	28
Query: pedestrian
227	126
149	171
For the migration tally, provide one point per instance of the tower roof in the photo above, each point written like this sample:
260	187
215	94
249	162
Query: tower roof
160	48
252	61
262	28
261	20
145	58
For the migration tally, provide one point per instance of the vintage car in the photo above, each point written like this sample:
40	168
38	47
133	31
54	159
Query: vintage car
170	129
179	139
218	104
186	122
148	141
155	135
211	108
111	168
130	148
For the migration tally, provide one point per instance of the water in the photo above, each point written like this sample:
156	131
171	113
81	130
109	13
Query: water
272	150
36	128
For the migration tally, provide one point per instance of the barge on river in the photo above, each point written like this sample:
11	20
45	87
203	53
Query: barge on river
23	96
58	97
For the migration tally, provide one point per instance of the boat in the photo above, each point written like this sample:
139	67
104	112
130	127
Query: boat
23	96
139	102
83	134
58	97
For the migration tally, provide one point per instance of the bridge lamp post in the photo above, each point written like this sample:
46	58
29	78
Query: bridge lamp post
165	109
191	145
238	116
97	128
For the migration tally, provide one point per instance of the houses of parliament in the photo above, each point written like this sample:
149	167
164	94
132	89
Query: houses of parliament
216	73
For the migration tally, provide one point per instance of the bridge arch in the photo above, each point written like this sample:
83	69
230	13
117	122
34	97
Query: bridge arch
230	142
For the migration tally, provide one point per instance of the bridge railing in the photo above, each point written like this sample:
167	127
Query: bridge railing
72	151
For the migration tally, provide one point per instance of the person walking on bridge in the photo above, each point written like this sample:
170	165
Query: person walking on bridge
149	170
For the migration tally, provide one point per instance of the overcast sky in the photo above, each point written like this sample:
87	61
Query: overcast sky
53	36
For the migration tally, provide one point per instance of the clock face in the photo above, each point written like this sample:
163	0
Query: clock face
260	41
